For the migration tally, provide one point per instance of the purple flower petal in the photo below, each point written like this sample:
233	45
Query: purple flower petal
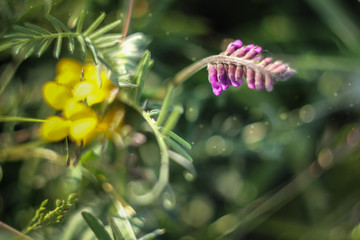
253	52
268	83
259	81
281	69
216	87
231	72
232	47
243	50
222	77
238	75
274	65
266	62
250	78
212	74
213	79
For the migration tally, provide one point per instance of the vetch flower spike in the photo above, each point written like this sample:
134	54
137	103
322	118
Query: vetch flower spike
237	63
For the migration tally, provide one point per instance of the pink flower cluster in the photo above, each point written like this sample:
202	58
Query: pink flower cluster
238	62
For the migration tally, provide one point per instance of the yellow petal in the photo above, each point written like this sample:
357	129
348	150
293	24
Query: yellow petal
83	129
68	65
90	73
97	96
56	95
68	78
75	111
83	89
55	129
112	121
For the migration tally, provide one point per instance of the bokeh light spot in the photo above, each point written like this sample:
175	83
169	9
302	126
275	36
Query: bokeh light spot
199	211
307	113
325	157
254	132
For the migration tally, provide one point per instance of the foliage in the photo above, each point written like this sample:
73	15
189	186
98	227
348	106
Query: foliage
179	162
54	216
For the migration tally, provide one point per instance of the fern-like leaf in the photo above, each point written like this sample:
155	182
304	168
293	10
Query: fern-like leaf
30	38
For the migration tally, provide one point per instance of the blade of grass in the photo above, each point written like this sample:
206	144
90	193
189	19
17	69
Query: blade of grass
96	226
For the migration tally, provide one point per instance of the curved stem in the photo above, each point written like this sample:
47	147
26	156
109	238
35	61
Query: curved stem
163	180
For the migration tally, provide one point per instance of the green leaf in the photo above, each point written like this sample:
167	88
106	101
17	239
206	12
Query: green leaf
113	38
153	234
82	45
176	147
123	222
18	48
88	156
19	36
57	23
96	226
92	49
182	161
172	119
71	43
32	47
26	30
143	68
165	106
54	23
104	45
105	29
57	48
179	139
44	46
6	45
37	29
80	22
95	24
115	230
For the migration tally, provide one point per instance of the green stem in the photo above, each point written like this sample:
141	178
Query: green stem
19	119
163	180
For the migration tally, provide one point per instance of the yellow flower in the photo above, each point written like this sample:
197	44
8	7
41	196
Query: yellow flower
89	88
74	84
79	123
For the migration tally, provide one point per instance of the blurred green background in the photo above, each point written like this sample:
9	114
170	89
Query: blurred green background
279	165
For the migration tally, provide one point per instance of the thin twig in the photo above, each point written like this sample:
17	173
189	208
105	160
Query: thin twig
14	231
127	21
